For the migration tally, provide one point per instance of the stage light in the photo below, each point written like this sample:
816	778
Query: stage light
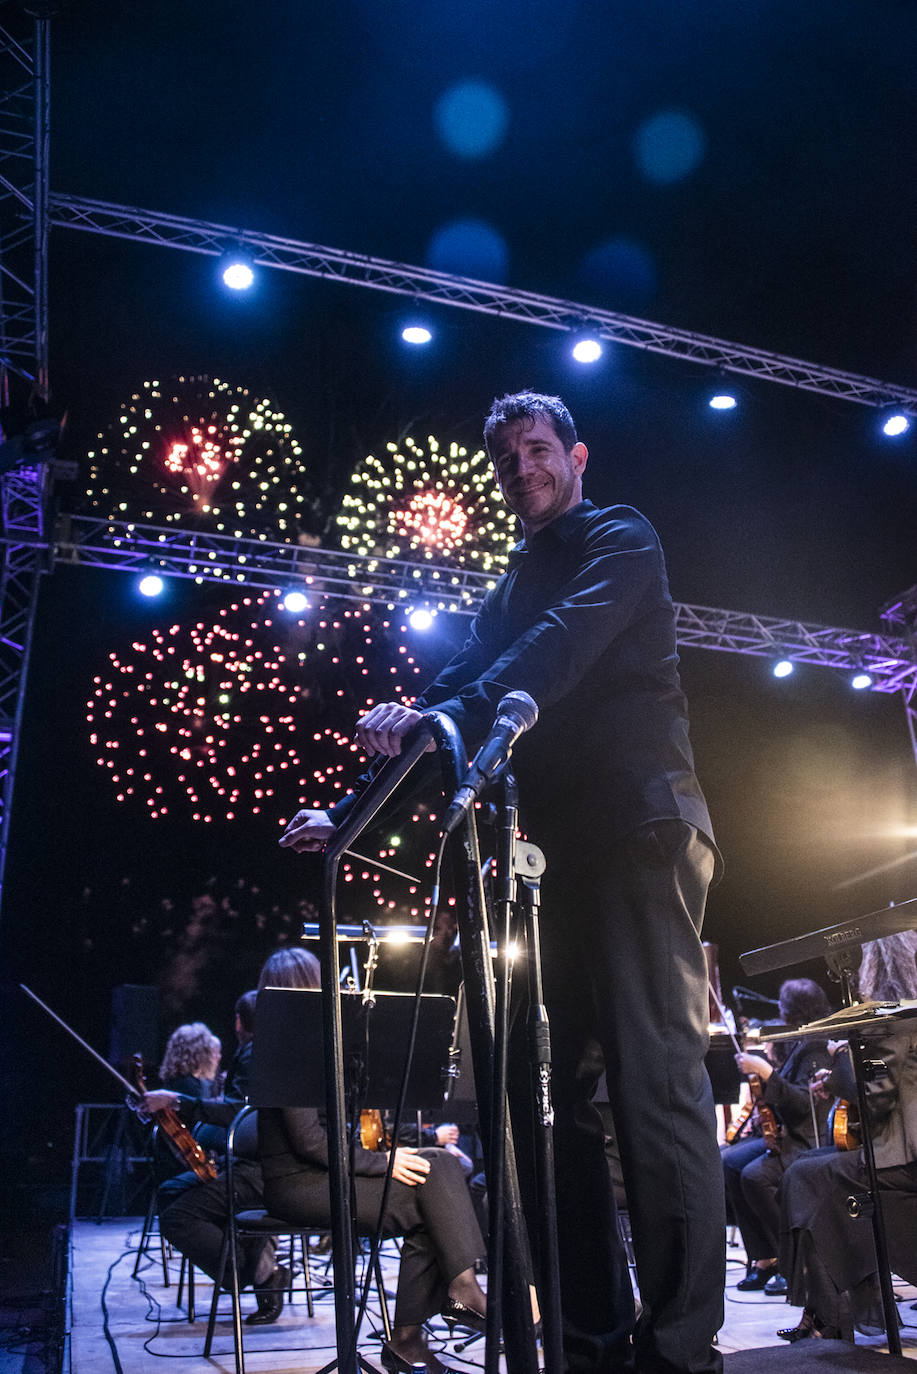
722	400
421	619
782	668
150	585
895	423
295	602
416	334
237	270
860	680
587	350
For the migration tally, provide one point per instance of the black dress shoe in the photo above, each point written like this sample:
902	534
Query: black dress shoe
270	1295
776	1287
757	1280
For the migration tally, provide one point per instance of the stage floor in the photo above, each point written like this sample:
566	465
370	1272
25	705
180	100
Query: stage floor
118	1322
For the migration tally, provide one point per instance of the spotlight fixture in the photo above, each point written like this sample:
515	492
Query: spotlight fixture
420	619
151	584
895	423
587	349
416	334
861	680
782	667
295	602
722	400
237	269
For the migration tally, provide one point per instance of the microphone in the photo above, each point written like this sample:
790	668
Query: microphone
740	994
516	713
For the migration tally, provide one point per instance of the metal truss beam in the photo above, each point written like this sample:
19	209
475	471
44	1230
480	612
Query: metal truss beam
422	283
126	547
24	145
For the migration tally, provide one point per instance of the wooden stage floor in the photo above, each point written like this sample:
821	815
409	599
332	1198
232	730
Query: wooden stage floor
132	1325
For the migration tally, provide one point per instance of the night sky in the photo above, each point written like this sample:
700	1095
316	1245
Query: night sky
744	171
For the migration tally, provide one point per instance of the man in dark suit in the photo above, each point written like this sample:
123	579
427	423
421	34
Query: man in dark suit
584	623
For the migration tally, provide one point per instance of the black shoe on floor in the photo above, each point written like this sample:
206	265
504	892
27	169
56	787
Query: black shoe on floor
776	1287
270	1295
757	1280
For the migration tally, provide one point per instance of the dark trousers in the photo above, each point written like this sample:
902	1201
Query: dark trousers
624	969
194	1220
752	1178
436	1219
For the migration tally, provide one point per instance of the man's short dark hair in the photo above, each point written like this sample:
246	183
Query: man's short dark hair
245	1010
528	405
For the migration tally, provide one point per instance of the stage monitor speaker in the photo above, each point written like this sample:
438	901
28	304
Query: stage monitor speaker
134	1027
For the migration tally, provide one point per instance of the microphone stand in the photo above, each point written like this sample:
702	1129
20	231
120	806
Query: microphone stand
520	867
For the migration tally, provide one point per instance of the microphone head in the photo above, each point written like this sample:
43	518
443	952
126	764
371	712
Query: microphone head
521	706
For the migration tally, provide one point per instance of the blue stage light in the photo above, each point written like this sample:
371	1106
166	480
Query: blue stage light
237	270
150	585
421	619
416	334
295	602
722	400
860	681
895	423
782	668
587	350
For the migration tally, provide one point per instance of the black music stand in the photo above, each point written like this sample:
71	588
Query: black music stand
288	1068
842	948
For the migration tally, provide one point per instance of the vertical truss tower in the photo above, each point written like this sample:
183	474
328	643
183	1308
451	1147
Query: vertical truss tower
25	93
24	146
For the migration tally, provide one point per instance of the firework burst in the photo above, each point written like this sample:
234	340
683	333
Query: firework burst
439	504
198	451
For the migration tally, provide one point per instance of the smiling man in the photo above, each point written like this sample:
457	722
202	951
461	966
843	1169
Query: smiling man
584	623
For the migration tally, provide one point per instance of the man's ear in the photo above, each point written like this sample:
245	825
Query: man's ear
580	456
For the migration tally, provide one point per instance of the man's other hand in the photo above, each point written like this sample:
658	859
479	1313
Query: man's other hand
308	830
383	728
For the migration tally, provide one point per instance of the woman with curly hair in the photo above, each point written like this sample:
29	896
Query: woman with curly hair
191	1061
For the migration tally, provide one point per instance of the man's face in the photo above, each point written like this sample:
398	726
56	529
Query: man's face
538	478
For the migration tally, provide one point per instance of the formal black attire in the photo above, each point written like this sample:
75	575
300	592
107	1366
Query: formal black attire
584	623
752	1174
827	1256
193	1214
436	1219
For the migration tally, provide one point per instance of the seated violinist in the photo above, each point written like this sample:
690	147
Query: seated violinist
753	1167
191	1062
828	1256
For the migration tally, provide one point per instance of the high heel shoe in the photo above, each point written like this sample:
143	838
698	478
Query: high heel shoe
455	1313
394	1363
807	1328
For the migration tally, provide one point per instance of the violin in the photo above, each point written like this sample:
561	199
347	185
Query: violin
760	1114
373	1135
755	1108
180	1140
844	1125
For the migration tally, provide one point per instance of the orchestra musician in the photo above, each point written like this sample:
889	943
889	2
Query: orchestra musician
428	1204
754	1167
828	1256
191	1061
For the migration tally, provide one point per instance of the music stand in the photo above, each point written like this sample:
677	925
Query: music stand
288	1068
